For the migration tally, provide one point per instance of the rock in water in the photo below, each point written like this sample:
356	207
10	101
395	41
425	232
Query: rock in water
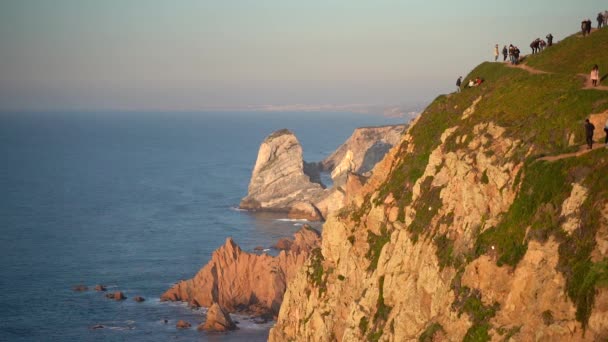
139	299
218	319
181	324
80	288
279	181
118	295
247	282
100	288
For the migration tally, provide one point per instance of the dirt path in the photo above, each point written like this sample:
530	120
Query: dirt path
583	150
588	84
527	68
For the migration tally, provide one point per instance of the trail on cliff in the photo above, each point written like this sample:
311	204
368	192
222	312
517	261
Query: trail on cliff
457	235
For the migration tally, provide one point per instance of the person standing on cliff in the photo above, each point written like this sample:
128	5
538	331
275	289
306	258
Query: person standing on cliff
600	20
589	128
458	83
505	52
606	131
595	75
496	53
549	39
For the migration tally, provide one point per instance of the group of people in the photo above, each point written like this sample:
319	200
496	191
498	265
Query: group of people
512	52
538	45
602	20
473	82
589	128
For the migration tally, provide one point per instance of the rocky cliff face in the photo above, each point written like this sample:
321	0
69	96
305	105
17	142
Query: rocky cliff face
362	150
279	182
245	282
463	232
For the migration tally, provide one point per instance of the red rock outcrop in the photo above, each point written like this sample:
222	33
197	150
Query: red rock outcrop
217	320
245	282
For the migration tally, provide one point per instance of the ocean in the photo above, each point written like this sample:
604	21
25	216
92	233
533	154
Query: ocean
134	201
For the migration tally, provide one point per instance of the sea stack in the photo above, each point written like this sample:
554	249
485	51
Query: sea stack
281	180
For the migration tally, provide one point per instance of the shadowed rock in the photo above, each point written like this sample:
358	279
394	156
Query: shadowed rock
218	320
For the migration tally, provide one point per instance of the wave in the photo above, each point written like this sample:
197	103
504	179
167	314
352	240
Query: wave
292	220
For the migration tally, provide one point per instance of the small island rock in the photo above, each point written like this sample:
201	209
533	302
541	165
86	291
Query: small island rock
80	288
218	319
100	288
181	324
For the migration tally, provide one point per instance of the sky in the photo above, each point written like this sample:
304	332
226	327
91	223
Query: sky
193	55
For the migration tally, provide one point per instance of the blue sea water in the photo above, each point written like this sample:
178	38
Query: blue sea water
135	201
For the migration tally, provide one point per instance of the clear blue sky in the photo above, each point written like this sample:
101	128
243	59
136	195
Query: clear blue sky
197	54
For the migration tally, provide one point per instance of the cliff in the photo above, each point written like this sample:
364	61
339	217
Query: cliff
362	150
279	182
487	221
245	282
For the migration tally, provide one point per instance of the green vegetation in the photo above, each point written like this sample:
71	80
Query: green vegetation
547	316
426	208
484	177
573	55
380	317
508	333
376	243
363	325
315	272
341	277
382	310
477	333
582	275
469	301
544	112
430	331
544	186
444	251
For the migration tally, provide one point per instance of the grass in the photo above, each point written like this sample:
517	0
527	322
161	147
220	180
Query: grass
430	331
376	243
426	208
469	301
315	271
573	55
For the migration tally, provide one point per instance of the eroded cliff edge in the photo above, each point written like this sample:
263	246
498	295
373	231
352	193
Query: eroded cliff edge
467	230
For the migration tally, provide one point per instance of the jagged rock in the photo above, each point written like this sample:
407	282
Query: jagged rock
118	295
80	288
240	281
100	288
181	324
258	248
279	182
139	299
218	320
363	149
97	326
283	244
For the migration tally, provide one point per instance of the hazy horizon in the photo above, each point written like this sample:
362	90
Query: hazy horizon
85	55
